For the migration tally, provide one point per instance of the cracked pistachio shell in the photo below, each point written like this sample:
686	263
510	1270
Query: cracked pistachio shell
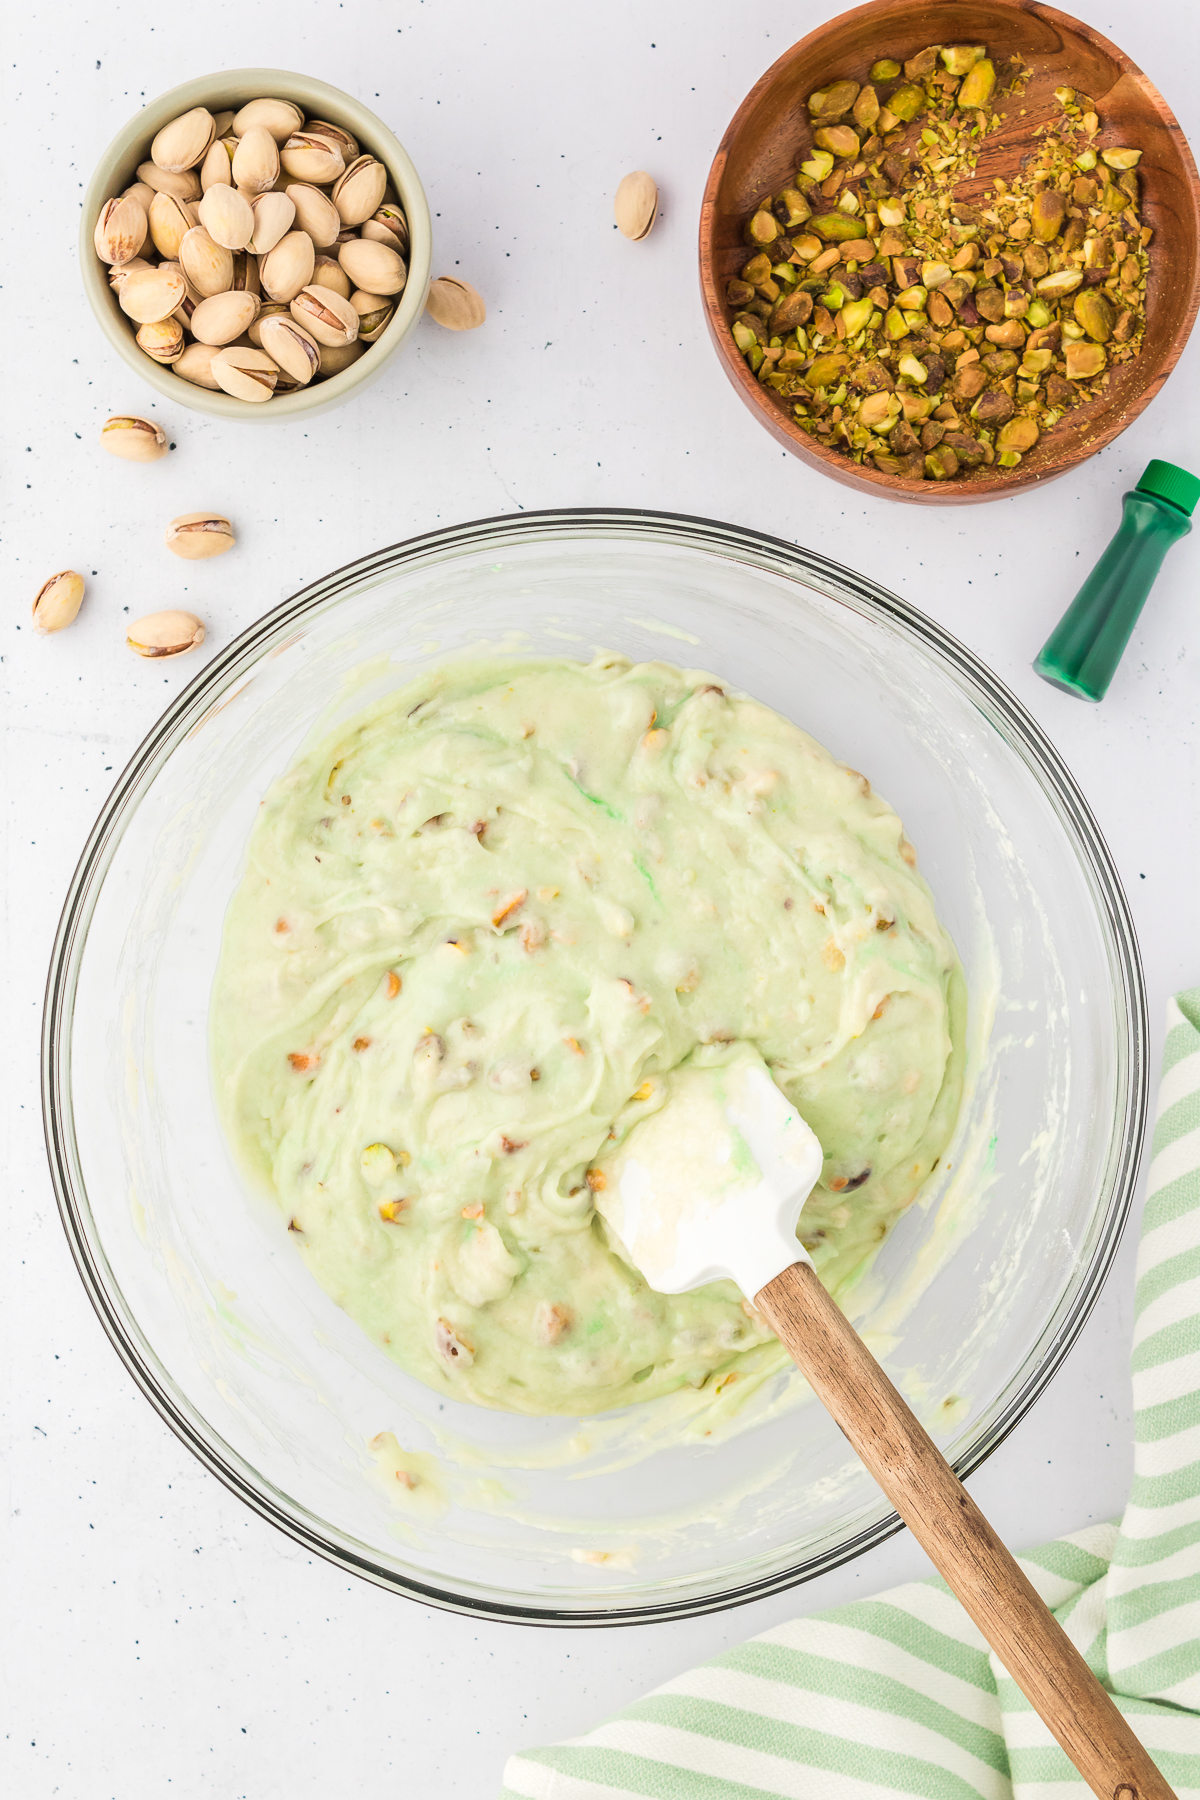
315	213
227	217
374	311
133	439
326	315
337	134
336	357
198	535
151	294
373	266
455	304
256	161
330	274
120	272
222	123
245	273
389	226
163	341
58	602
224	317
244	372
184	142
165	634
294	349
311	158
217	168
207	265
170	221
288	267
184	186
141	193
120	230
359	193
273	216
271	309
195	365
636	205
279	117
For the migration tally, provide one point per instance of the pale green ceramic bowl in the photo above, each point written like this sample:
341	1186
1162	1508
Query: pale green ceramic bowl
117	168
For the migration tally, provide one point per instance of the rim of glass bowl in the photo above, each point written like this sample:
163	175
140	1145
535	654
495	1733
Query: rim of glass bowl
1003	711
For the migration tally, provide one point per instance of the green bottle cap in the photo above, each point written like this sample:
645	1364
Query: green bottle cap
1167	481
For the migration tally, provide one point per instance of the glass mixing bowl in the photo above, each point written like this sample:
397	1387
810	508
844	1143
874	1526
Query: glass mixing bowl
663	1510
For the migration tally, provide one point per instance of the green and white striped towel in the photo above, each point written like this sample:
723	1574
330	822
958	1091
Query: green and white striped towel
899	1695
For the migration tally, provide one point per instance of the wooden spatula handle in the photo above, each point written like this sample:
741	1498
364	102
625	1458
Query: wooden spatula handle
960	1543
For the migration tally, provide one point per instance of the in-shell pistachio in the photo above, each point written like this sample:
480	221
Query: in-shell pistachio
256	161
141	193
288	267
198	535
311	158
389	226
374	311
271	309
336	357
315	213
133	439
170	221
373	266
195	365
244	372
217	168
163	341
184	142
636	205
151	294
455	304
330	274
325	315
294	349
359	193
185	185
120	230
58	601
274	214
245	273
120	272
337	134
207	265
165	634
279	117
224	317
227	217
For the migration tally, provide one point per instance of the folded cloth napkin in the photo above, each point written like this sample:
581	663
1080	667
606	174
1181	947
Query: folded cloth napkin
900	1695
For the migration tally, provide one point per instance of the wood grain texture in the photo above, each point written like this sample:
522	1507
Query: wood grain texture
960	1543
759	150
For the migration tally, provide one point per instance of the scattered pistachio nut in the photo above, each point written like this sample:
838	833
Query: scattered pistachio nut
455	304
133	439
58	602
198	535
165	634
635	207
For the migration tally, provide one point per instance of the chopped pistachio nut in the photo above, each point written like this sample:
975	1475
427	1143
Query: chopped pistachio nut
920	333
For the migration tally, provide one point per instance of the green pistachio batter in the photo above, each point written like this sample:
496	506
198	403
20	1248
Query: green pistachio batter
479	928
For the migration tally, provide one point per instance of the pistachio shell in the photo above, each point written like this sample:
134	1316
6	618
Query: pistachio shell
222	123
120	231
292	347
288	267
165	634
359	192
226	216
58	602
636	205
207	265
217	168
151	294
338	135
184	186
223	317
120	272
195	365
198	535
330	274
315	213
184	142
141	193
279	117
455	304
329	318
271	309
390	227
273	216
244	372
245	273
374	312
133	439
163	341
373	266
310	158
336	357
256	161
170	221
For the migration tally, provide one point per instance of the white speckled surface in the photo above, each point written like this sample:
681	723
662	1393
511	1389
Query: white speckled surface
159	1638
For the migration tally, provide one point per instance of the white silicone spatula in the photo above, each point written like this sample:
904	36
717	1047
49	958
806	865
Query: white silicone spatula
712	1185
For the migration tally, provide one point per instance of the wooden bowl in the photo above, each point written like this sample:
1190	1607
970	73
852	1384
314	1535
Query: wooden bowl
759	150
